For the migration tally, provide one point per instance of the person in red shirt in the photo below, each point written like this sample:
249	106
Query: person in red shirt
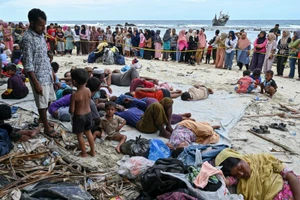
51	38
159	94
208	53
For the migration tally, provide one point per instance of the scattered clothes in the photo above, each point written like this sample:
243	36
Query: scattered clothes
208	152
61	190
207	170
155	183
158	149
175	196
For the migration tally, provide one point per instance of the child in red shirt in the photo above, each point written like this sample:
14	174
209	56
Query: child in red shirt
208	53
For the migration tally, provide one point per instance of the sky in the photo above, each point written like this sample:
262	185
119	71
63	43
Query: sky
74	10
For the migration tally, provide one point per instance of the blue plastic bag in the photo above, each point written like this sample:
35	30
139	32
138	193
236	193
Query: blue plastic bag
125	68
158	149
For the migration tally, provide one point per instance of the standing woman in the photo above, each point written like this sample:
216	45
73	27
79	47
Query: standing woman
283	51
271	49
84	40
93	39
167	44
60	38
192	46
201	46
294	45
148	41
8	38
153	37
174	44
142	43
259	51
158	44
69	35
243	53
76	36
181	46
220	41
230	49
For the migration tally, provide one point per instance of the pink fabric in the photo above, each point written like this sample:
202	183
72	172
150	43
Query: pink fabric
157	50
181	36
8	44
263	46
207	170
244	84
202	40
182	44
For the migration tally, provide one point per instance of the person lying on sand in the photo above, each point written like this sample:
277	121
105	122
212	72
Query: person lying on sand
198	92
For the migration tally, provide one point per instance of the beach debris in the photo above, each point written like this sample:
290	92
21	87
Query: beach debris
180	74
291	151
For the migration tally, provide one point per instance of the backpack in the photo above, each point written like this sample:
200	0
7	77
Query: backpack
138	147
119	60
155	183
92	57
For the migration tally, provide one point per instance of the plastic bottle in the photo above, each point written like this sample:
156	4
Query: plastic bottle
293	133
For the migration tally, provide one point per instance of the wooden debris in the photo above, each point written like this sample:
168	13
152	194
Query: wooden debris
292	152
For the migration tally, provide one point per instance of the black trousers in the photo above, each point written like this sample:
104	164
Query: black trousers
280	64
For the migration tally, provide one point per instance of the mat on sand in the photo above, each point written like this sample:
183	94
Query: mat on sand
221	108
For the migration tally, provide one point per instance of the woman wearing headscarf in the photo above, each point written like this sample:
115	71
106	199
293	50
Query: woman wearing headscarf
294	52
270	52
167	44
192	46
69	40
259	51
8	38
158	43
84	40
243	53
201	45
181	46
230	44
220	41
142	43
18	33
153	37
258	176
283	51
148	41
93	39
135	41
174	44
76	37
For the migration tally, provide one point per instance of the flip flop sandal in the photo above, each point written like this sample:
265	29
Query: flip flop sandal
265	129
282	127
275	126
256	130
53	134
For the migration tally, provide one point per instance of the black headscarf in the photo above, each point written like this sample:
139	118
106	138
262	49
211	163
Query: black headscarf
83	29
261	40
148	34
167	35
77	30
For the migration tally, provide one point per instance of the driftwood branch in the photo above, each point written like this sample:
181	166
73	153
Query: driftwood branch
274	142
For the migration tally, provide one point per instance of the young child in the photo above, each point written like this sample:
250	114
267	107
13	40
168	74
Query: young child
15	135
111	124
16	54
55	68
198	92
208	53
16	88
256	76
245	84
269	85
80	109
127	45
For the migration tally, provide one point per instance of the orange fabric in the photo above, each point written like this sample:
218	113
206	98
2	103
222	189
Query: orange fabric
159	95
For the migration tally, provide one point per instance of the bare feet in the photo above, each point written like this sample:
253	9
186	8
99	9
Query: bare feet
165	134
83	154
35	132
169	129
188	118
92	153
210	90
186	115
168	144
118	149
216	127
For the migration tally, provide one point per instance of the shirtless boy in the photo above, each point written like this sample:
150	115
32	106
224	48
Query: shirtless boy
80	109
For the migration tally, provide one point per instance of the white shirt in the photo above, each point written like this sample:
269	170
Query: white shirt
229	43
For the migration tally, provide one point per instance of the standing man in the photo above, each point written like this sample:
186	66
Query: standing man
37	66
215	46
276	31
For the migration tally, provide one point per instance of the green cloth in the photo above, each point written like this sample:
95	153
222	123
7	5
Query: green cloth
153	117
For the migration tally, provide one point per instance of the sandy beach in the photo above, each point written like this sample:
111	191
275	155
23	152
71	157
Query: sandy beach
220	79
